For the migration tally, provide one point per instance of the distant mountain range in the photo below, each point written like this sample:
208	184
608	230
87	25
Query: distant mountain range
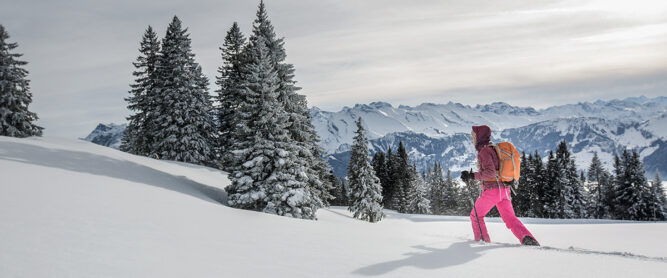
108	135
440	132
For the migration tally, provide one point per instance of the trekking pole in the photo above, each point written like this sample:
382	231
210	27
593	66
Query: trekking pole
472	197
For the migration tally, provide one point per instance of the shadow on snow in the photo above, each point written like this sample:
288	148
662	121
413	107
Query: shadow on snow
433	258
105	166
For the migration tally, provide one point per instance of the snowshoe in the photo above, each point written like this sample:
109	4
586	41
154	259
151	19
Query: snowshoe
528	240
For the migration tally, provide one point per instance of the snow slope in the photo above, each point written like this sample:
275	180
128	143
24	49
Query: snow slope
75	209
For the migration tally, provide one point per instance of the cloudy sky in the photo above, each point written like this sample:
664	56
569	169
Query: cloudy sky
524	52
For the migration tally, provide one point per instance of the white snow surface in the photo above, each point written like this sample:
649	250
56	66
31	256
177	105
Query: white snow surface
75	209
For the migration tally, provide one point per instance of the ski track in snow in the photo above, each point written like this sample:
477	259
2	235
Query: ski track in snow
629	255
577	250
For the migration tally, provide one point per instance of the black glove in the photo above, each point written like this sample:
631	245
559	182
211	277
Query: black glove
467	176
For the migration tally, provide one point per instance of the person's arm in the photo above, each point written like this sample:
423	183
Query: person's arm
488	168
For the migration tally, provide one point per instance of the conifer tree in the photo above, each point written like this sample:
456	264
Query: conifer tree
598	184
465	191
454	202
579	197
137	137
418	193
568	200
345	185
185	130
267	176
15	97
365	189
565	179
657	205
300	127
401	168
379	163
633	194
389	188
617	180
438	189
339	192
585	195
521	201
230	82
551	198
608	187
320	176
540	182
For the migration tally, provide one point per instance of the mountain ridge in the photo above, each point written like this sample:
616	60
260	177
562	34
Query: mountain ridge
606	127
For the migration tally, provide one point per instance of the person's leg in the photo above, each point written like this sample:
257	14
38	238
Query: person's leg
483	205
511	221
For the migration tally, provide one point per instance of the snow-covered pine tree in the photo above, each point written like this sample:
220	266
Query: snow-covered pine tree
567	181
379	163
186	130
418	201
608	191
579	198
206	100
659	198
230	83
632	190
401	177
295	105
346	190
137	137
551	198
455	202
657	182
269	177
597	176
521	201
585	195
658	202
339	192
540	182
365	189
388	188
324	172
438	193
618	179
15	97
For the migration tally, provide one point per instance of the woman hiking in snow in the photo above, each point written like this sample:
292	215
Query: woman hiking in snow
494	192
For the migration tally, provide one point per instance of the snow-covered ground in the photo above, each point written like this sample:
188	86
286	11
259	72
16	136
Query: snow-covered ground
75	209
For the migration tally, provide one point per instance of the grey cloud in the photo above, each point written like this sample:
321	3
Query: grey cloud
347	51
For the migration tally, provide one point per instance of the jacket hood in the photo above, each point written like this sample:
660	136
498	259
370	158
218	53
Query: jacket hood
482	135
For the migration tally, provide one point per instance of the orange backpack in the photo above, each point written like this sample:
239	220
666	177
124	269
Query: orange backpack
509	163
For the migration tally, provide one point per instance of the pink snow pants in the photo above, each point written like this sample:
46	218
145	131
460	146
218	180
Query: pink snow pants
499	198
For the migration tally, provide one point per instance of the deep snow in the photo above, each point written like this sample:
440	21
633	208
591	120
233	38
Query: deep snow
74	209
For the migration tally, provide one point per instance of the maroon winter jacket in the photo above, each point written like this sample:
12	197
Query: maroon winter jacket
486	157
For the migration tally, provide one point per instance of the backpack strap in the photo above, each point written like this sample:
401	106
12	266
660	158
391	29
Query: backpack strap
500	165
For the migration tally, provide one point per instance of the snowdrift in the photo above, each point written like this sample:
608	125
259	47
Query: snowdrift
75	209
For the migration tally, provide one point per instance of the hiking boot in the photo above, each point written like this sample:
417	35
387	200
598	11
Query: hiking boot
528	240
